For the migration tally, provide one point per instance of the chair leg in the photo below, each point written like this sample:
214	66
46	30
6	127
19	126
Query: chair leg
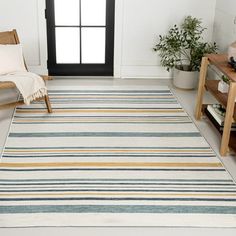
47	101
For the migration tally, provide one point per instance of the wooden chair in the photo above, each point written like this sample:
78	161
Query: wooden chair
11	37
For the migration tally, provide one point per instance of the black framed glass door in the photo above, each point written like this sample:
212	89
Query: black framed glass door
80	37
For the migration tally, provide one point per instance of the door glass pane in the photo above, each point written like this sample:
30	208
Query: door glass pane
67	12
67	45
93	45
93	12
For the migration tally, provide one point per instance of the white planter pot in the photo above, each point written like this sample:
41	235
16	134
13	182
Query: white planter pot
185	79
223	87
232	51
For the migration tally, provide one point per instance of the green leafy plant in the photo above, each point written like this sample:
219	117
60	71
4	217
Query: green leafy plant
225	79
183	47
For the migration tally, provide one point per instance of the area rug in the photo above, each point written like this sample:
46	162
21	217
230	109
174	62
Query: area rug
112	156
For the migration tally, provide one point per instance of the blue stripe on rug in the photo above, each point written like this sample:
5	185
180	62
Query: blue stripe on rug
119	209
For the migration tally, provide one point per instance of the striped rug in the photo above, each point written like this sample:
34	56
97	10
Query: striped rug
112	156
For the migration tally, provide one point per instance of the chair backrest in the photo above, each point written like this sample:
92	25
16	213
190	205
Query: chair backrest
9	37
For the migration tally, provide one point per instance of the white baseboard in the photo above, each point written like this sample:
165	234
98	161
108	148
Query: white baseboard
153	72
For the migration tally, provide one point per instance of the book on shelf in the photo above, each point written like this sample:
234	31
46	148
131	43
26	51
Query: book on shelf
216	113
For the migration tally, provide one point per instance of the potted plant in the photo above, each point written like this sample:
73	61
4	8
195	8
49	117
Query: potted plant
182	49
223	85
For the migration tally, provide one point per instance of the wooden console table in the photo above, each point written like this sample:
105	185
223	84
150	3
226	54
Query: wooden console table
220	61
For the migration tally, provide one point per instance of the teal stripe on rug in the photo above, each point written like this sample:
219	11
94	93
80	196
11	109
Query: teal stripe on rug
104	134
119	209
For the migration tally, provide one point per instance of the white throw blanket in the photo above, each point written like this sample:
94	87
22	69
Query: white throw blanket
30	85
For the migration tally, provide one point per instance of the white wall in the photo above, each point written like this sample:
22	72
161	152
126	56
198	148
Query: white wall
138	23
225	23
27	16
144	20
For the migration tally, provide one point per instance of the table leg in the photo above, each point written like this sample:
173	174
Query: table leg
228	119
201	87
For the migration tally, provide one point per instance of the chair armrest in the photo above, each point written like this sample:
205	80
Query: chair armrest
7	85
46	77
